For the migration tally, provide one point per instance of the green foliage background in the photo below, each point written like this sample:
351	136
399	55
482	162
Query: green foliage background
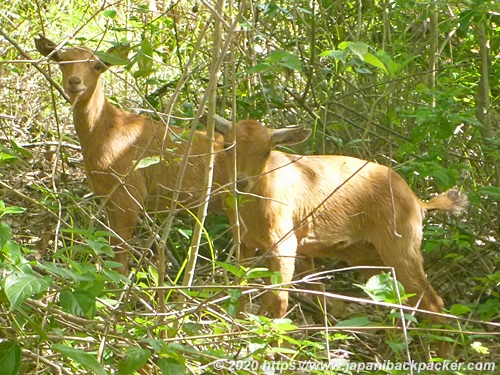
412	85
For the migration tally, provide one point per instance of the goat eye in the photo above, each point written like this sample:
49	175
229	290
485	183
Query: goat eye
99	67
267	154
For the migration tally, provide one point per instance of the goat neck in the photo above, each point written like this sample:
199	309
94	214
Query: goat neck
90	111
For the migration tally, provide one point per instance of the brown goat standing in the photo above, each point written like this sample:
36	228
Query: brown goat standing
330	206
113	141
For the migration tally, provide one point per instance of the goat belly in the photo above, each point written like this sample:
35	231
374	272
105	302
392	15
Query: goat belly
315	247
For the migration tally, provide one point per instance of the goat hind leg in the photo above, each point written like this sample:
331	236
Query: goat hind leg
407	261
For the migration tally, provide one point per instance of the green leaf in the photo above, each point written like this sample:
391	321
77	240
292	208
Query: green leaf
144	59
21	150
278	59
21	286
396	346
382	288
445	178
231	268
375	61
283	325
87	360
285	59
405	63
13	210
10	357
147	162
489	309
142	73
157	345
13	250
258	272
6	157
392	67
99	246
276	278
360	49
110	13
78	303
262	67
111	59
5	234
355	322
61	272
80	231
343	45
336	54
170	366
459	309
398	314
465	20
231	305
136	358
490	191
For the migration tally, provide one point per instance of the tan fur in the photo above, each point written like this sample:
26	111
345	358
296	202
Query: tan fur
330	206
113	141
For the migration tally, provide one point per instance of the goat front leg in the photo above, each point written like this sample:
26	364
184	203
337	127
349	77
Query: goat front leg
245	259
282	260
122	217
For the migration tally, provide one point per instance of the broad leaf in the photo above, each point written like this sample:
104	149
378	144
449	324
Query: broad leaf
5	234
459	309
10	210
13	250
87	360
375	61
392	67
490	191
111	59
110	13
336	54
10	357
100	246
355	322
146	162
360	49
262	67
144	59
79	303
285	59
231	268
258	272
62	272
276	278
170	366
136	358
382	287
21	286
396	346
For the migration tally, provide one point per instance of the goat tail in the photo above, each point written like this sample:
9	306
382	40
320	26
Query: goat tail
451	201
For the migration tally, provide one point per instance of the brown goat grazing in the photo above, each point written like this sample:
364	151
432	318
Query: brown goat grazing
114	141
330	206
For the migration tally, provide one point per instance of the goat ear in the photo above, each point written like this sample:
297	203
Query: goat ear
47	47
222	125
290	136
